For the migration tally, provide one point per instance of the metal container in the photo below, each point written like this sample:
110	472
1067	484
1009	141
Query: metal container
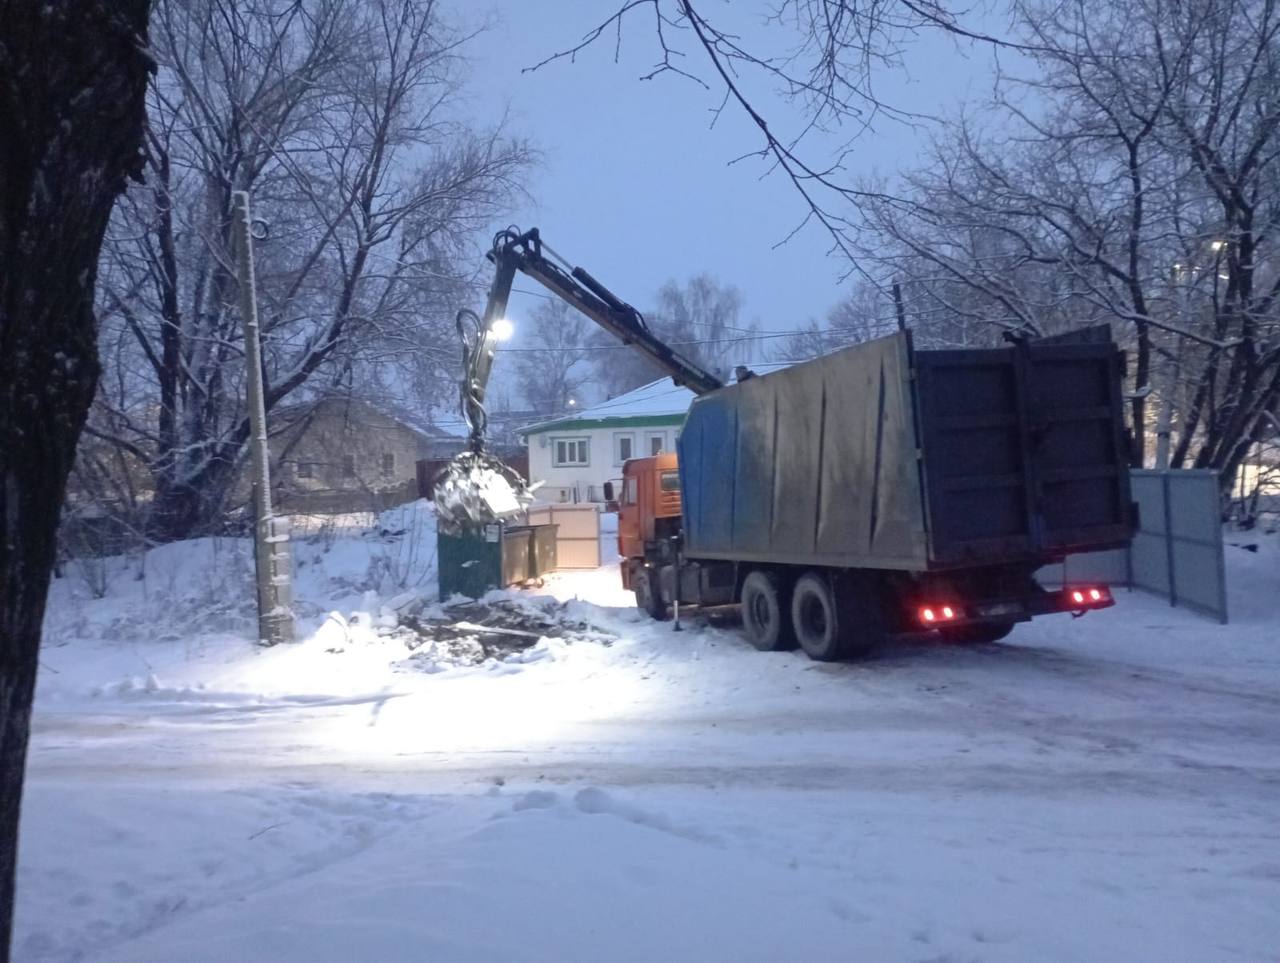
542	550
500	555
515	555
879	456
470	564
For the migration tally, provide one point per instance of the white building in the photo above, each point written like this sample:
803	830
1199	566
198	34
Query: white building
576	454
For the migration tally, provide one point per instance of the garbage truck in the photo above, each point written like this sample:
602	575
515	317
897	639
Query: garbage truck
874	491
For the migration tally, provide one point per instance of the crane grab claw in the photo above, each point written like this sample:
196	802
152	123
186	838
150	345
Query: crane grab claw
475	490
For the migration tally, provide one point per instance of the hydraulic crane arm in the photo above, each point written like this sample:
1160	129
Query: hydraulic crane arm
475	488
525	252
512	252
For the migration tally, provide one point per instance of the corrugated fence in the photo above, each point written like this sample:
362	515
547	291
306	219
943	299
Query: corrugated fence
1177	551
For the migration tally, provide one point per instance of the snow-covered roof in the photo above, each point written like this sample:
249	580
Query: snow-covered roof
453	427
660	400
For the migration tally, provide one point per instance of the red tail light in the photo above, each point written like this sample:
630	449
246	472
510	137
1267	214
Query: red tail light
1086	597
934	614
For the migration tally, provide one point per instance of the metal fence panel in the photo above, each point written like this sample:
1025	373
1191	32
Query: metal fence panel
1197	579
1194	514
1110	567
1177	551
1195	542
1148	492
1149	562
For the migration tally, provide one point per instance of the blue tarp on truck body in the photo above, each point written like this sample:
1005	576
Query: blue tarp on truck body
876	456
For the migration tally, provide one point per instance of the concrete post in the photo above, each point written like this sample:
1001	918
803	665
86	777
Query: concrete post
271	538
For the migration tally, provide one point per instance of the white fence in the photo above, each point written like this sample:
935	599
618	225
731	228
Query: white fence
1177	551
577	533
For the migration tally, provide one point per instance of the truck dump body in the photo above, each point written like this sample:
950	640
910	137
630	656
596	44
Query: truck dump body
985	456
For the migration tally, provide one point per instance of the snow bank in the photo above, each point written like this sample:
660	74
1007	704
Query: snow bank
1101	788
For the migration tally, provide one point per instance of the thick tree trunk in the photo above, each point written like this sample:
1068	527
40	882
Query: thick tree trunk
72	86
191	508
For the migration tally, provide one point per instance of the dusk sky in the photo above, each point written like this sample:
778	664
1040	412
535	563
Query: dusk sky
638	188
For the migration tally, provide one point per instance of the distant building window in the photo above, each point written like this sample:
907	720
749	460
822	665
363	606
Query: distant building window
624	445
657	442
348	466
305	469
388	463
570	452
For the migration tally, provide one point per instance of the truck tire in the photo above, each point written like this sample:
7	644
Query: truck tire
816	618
860	605
648	597
765	615
977	633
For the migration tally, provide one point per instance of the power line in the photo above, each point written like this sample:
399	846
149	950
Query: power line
477	285
673	344
704	324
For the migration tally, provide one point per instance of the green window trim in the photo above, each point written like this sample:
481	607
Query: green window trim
583	424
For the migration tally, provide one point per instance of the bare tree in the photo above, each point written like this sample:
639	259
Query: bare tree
705	313
820	60
557	369
72	81
1142	191
811	340
339	117
864	314
699	318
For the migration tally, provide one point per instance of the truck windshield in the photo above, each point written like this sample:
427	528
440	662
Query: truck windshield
670	481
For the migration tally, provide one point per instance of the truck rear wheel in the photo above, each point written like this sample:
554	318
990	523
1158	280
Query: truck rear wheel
648	598
816	618
837	616
861	600
765	619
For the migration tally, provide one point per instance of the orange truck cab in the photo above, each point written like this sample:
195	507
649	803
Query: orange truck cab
648	519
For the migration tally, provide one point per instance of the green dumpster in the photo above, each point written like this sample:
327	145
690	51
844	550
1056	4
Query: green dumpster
495	556
469	564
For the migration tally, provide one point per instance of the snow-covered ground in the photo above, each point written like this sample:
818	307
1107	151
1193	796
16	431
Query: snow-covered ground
1101	788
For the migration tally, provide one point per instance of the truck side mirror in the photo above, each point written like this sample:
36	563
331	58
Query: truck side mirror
608	491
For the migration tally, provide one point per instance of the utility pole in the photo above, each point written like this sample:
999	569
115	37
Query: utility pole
900	308
271	538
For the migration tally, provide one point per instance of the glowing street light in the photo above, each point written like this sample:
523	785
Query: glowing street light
502	329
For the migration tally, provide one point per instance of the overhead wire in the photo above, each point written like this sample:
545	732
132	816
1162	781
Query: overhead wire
673	344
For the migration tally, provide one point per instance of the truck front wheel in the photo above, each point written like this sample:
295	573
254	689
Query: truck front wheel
764	612
644	583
